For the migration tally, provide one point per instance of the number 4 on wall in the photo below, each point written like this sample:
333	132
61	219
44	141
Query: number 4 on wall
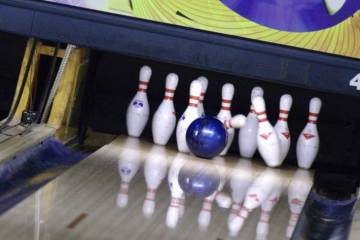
355	82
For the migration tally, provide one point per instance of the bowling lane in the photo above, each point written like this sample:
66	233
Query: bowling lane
84	202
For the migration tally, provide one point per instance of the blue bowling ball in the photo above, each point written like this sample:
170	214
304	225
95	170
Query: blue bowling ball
206	137
198	181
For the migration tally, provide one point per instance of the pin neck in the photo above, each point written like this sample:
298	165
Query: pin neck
283	115
226	105
262	117
313	117
143	85
193	101
169	94
252	110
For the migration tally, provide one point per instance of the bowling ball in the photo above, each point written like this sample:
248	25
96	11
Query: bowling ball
206	137
198	181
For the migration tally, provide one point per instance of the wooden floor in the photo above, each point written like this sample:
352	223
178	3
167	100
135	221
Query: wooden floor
19	138
82	204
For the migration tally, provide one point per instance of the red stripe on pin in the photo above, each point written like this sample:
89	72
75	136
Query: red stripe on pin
168	90
282	119
143	82
260	113
141	89
313	114
192	104
168	98
226	101
194	97
263	120
312	121
284	111
226	108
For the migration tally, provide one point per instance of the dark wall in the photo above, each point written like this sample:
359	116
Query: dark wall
11	53
117	79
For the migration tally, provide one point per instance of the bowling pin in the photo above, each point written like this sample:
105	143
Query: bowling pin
248	133
307	146
281	126
128	164
298	191
204	85
268	142
191	113
175	210
164	120
138	110
155	169
238	121
240	180
259	191
262	228
224	115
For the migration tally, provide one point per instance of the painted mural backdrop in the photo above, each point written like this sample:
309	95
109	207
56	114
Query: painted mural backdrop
331	26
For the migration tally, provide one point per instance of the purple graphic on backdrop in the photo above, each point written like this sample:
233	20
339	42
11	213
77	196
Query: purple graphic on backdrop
295	15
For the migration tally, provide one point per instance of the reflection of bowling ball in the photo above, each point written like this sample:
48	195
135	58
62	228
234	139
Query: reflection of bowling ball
206	137
294	15
199	181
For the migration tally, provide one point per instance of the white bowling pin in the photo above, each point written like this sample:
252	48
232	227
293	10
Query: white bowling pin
248	133
128	164
262	228
138	110
259	191
164	120
298	191
281	126
155	169
240	180
307	146
238	121
268	142
191	113
204	85
224	114
174	211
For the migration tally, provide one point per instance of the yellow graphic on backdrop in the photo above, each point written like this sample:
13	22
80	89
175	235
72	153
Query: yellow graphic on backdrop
212	15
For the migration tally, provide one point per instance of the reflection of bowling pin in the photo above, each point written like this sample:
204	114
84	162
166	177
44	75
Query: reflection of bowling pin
299	189
281	127
164	120
204	85
267	140
128	164
262	228
204	217
240	180
224	115
259	191
307	146
174	211
248	133
191	113
137	113
155	169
